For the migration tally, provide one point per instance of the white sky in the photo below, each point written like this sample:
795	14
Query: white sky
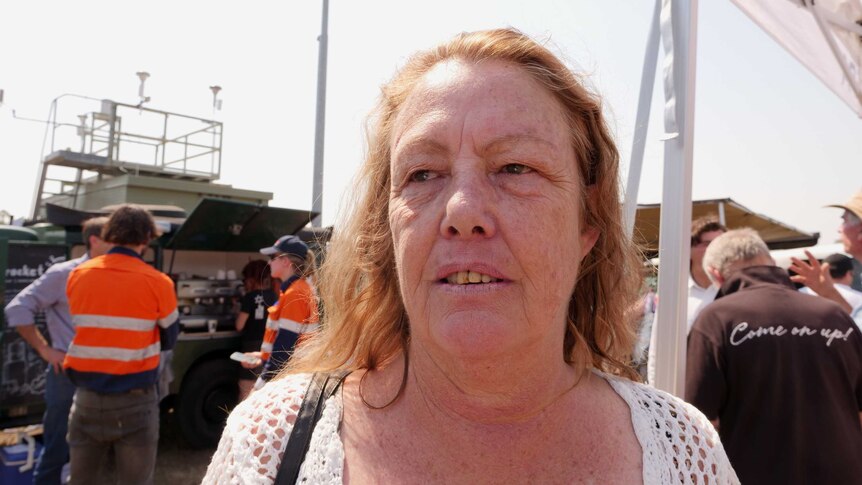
767	132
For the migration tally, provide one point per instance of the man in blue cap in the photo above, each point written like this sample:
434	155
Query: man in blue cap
295	314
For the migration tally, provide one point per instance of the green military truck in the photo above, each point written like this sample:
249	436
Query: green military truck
169	163
203	252
23	259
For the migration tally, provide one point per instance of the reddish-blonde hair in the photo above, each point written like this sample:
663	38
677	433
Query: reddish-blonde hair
365	324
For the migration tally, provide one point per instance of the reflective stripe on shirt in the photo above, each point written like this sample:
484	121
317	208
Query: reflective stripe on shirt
120	306
117	323
296	327
114	353
168	320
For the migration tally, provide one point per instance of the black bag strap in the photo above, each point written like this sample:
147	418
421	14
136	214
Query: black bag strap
321	388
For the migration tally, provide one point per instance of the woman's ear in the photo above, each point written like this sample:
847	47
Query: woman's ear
589	236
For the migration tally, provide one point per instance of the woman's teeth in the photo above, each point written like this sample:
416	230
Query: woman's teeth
469	277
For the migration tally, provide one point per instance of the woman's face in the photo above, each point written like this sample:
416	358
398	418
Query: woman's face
484	211
280	266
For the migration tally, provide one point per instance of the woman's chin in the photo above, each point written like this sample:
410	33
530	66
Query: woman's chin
470	339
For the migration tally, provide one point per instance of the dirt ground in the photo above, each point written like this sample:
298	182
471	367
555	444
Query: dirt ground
178	463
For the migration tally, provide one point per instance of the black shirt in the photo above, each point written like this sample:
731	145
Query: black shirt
782	372
255	303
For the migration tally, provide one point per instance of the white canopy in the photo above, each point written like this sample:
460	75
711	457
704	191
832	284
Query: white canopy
826	38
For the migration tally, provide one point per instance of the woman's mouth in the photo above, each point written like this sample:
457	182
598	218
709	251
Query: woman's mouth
469	278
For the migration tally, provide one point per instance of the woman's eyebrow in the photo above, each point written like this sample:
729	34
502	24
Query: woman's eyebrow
426	146
506	142
419	146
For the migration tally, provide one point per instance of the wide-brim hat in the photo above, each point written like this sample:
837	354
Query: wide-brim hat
853	205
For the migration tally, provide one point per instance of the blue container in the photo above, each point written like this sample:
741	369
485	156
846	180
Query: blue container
12	458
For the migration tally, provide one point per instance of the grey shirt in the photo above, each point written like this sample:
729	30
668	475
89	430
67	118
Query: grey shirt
48	294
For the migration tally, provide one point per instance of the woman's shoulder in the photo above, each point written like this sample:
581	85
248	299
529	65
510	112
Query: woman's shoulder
677	439
643	394
257	431
278	396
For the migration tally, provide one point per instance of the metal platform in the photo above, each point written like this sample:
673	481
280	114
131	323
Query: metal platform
116	140
102	165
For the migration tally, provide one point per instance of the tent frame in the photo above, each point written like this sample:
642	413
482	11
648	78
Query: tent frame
675	23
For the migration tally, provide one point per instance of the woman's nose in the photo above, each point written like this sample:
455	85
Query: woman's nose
469	208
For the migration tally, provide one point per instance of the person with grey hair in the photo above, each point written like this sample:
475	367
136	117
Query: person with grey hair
778	372
739	248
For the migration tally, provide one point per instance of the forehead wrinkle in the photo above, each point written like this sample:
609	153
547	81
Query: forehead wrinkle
419	146
425	132
506	142
420	118
422	107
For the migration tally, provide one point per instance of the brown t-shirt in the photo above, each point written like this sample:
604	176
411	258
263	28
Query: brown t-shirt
782	372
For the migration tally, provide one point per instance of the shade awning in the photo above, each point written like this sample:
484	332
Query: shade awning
226	225
776	234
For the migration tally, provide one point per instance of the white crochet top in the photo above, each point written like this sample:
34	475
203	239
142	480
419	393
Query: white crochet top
679	444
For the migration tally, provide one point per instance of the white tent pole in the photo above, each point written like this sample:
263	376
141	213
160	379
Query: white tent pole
679	26
320	118
642	121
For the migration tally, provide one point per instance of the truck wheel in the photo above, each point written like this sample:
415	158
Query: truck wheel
209	392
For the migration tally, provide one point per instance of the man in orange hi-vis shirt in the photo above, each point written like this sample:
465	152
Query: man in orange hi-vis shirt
125	313
295	314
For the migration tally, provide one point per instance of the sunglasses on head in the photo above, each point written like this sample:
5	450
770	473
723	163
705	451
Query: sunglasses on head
273	257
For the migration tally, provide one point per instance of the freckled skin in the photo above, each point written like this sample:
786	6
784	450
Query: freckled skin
483	175
485	172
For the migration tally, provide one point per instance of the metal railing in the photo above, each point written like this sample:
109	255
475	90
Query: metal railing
112	138
138	138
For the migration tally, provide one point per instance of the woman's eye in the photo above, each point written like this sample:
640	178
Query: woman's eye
516	169
422	176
